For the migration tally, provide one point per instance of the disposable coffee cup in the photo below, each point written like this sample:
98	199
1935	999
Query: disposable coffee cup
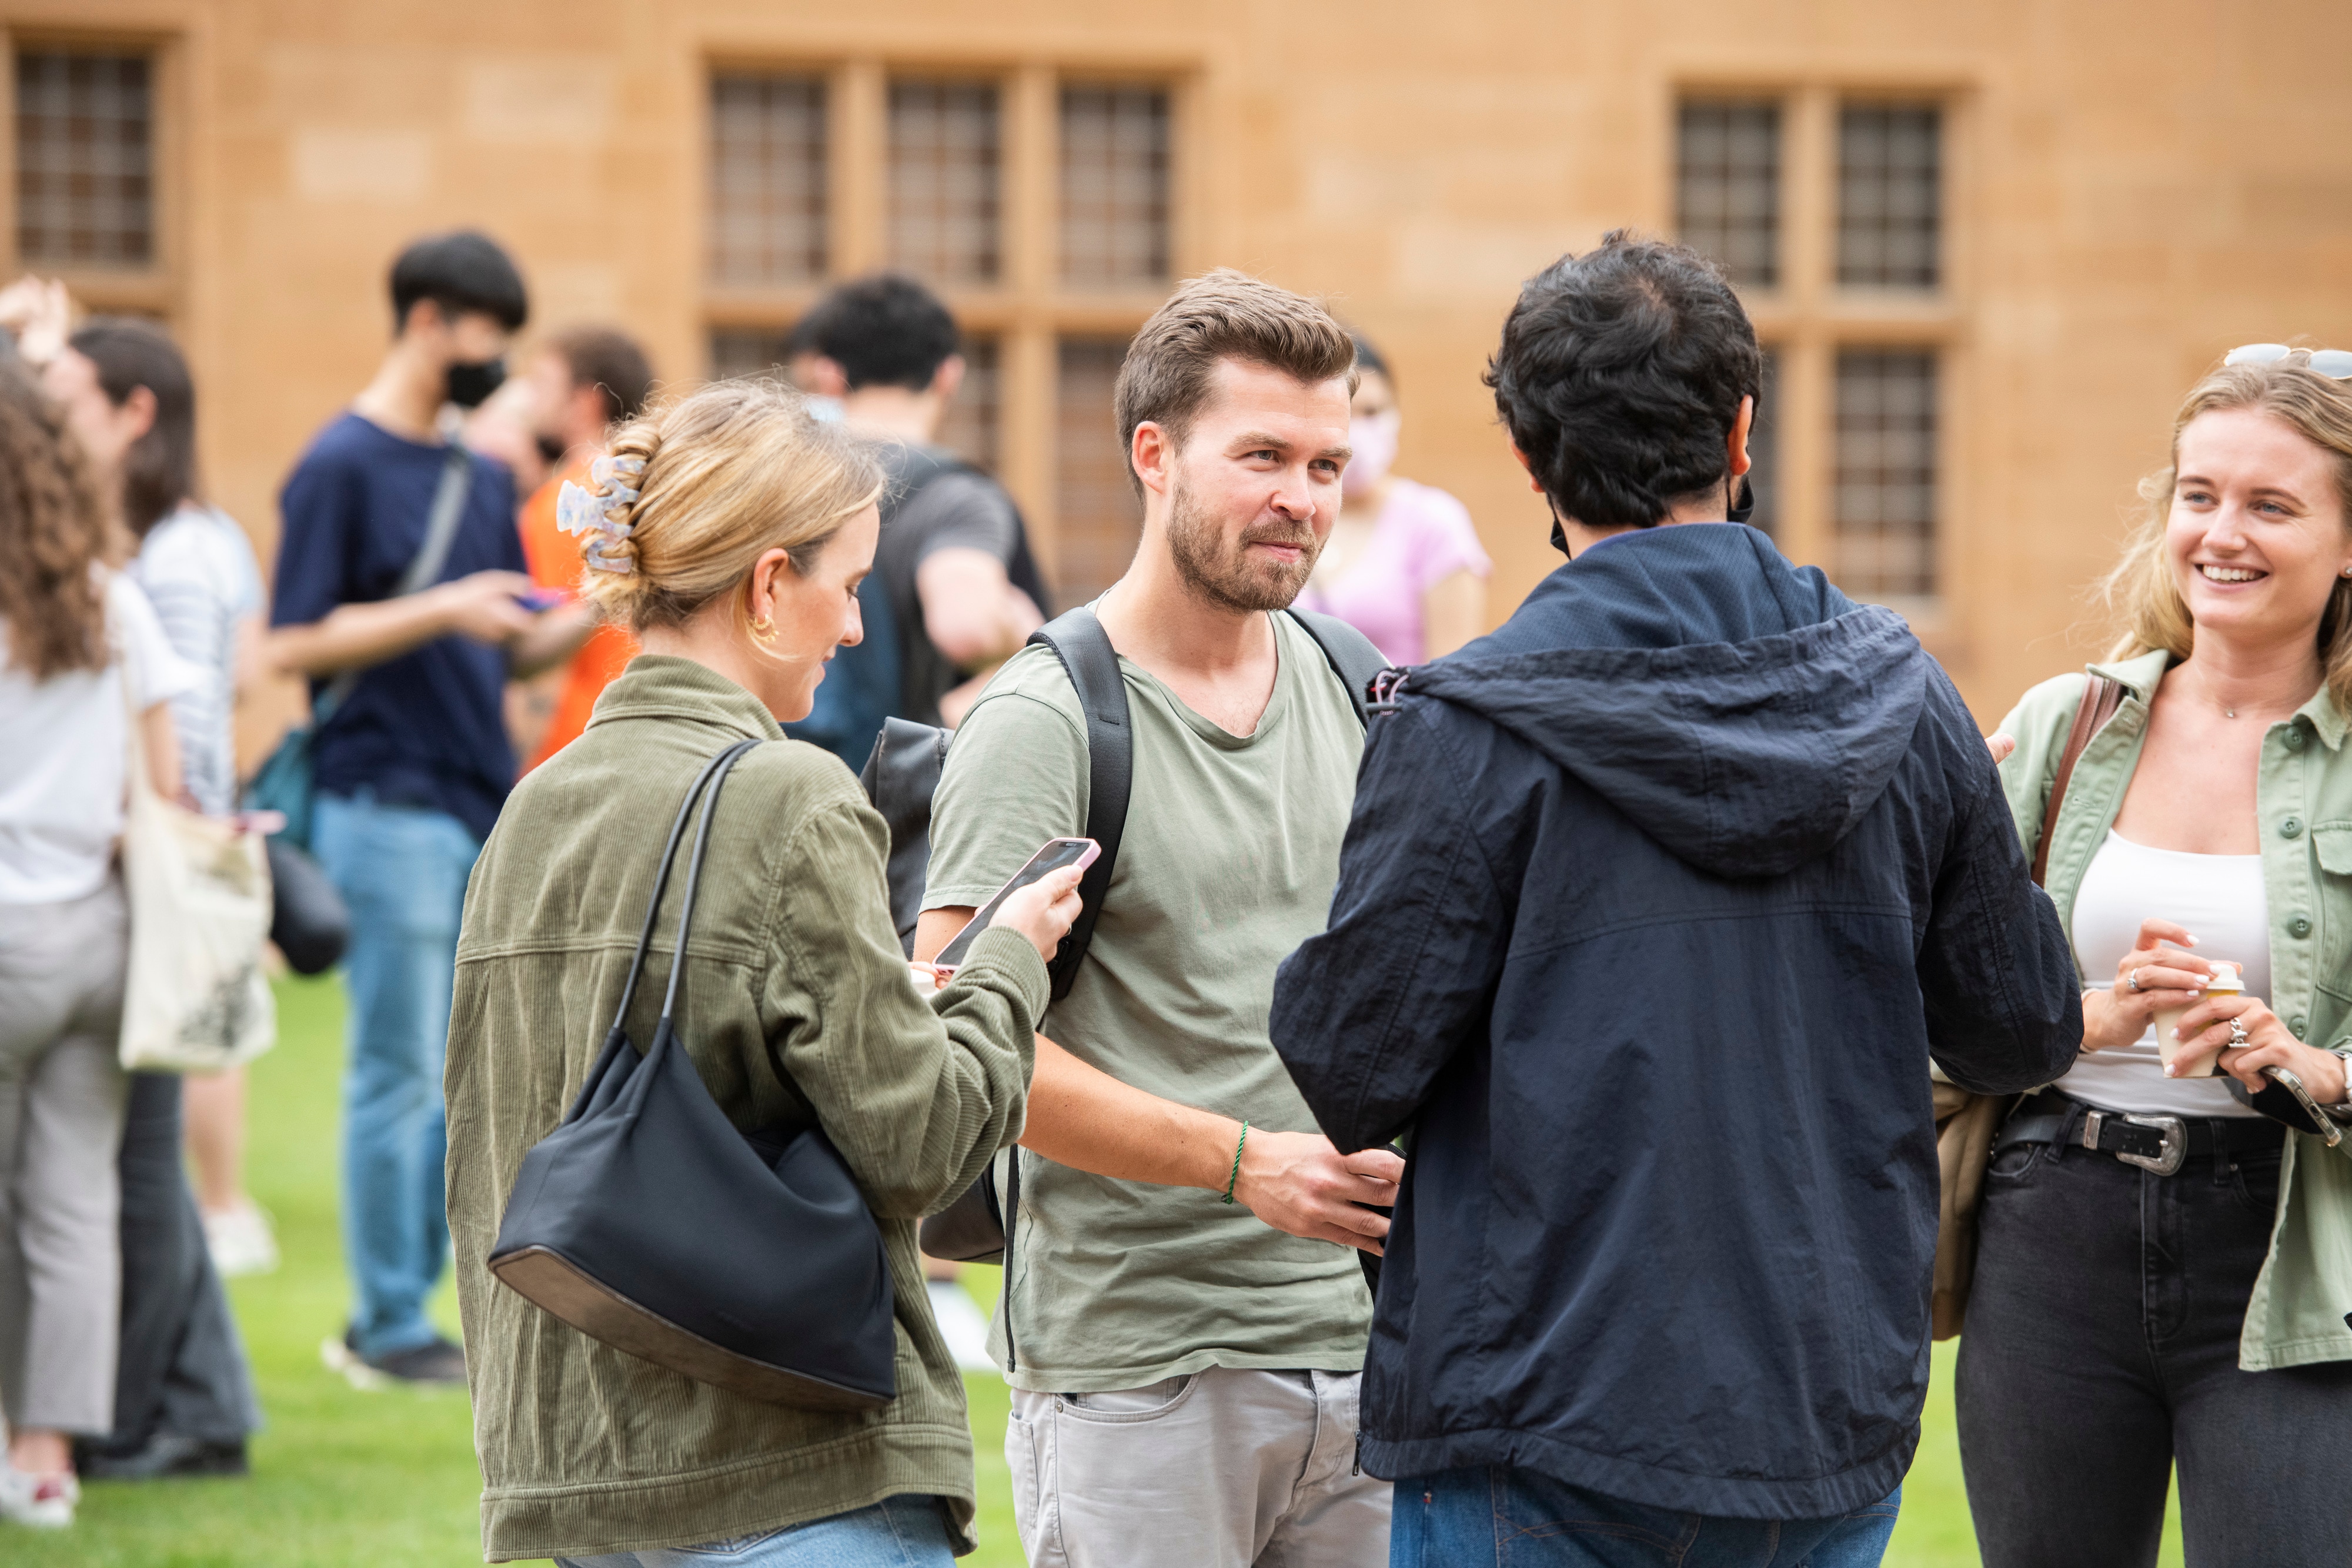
2226	981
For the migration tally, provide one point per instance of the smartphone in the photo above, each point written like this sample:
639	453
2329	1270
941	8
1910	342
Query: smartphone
543	598
1058	853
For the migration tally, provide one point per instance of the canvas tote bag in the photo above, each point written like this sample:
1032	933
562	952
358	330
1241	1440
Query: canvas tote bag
196	1000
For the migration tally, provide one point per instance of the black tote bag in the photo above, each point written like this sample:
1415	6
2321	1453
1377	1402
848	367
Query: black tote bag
646	1221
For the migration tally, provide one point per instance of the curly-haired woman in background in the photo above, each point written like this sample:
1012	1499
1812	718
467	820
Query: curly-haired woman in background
184	1398
80	651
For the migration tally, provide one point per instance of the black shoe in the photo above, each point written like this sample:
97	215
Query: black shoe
434	1361
164	1455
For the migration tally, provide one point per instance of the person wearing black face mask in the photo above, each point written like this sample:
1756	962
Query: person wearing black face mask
408	632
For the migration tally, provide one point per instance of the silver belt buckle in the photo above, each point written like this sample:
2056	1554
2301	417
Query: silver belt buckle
2174	1131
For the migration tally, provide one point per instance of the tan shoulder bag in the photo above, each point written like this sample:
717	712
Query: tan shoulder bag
1965	1122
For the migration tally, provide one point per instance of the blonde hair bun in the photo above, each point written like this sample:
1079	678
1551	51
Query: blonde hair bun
732	470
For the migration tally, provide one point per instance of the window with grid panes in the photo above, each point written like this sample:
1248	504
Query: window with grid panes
1115	186
1885	512
1764	449
945	173
85	159
969	427
1890	196
768	197
1727	186
1099	518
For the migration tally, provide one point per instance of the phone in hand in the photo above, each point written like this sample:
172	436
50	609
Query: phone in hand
1058	853
544	598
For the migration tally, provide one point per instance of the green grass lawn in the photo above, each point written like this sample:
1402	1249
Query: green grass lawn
388	1479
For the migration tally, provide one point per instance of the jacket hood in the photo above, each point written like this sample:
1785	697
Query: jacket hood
1740	710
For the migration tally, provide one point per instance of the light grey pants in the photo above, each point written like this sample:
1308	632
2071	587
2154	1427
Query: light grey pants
1225	1468
62	1106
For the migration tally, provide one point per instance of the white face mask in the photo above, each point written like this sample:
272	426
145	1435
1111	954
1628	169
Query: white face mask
1375	440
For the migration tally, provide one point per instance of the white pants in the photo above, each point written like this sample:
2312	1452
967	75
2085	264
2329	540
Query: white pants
62	1106
1223	1469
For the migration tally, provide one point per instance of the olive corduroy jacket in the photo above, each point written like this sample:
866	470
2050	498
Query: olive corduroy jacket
796	1010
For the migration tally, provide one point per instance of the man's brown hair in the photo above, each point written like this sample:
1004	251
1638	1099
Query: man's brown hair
610	362
1222	315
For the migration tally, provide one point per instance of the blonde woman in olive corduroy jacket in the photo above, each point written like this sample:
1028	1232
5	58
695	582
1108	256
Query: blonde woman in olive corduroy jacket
729	532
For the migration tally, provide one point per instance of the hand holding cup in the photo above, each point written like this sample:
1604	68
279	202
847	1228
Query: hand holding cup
2150	976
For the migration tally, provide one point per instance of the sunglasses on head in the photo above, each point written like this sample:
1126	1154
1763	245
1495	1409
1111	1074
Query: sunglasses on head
2336	364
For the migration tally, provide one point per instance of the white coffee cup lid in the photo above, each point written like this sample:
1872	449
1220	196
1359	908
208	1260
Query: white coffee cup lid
2227	976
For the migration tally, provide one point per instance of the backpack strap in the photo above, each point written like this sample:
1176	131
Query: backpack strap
1079	640
1349	652
2101	697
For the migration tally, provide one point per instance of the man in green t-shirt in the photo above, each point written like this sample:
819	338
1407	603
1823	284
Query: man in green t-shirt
1190	1316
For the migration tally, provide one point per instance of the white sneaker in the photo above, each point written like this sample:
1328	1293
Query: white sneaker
241	1241
961	1326
42	1502
338	1356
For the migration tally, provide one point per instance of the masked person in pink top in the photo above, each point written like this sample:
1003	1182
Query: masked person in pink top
1403	565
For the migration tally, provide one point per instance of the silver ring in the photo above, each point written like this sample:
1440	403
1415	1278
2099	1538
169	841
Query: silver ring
2133	979
2237	1031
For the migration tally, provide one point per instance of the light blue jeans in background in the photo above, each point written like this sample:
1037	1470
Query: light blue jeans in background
897	1532
401	870
1510	1518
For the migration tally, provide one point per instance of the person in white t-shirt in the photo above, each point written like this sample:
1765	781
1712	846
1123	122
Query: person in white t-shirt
184	1398
81	653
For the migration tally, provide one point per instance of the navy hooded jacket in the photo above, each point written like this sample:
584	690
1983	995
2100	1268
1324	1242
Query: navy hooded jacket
1655	907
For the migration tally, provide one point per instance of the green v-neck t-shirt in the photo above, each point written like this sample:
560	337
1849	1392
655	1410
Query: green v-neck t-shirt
1227	862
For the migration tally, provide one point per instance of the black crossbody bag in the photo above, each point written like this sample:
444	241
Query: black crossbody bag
646	1221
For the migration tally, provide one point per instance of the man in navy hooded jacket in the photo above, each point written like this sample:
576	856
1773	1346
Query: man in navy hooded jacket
1655	907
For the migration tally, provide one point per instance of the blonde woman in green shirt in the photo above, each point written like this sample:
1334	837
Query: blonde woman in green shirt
730	531
2163	1268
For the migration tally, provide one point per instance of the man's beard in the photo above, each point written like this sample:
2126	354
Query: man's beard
1221	571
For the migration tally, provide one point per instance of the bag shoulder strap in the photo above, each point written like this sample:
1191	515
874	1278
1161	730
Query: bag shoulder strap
2101	698
714	772
1349	652
423	568
1079	640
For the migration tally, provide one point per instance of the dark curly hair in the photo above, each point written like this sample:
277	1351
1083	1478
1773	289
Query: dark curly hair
56	526
1620	376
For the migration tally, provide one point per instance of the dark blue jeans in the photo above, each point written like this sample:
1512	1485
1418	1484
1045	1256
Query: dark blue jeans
1520	1519
2102	1351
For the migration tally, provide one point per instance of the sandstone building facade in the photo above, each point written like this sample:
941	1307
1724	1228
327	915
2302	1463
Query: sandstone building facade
1987	246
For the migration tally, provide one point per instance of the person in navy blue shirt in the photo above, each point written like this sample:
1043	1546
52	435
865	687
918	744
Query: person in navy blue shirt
1654	909
412	765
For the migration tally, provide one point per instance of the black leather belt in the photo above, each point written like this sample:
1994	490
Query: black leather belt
2160	1143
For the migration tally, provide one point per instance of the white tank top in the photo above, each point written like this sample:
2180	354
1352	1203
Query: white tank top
2220	899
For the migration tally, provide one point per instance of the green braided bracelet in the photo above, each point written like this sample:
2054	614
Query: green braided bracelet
1233	1180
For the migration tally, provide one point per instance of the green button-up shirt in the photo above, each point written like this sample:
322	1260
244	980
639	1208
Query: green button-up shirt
796	1010
2303	796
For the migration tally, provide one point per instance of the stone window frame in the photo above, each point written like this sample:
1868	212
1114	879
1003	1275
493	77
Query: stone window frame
1029	309
155	288
1806	318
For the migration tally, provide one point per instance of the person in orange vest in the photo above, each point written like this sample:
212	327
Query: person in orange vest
585	379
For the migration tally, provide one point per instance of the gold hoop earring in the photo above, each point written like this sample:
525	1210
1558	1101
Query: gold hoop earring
762	630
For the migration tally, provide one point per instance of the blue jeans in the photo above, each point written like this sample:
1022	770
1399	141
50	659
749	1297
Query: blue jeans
1520	1519
897	1532
401	870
